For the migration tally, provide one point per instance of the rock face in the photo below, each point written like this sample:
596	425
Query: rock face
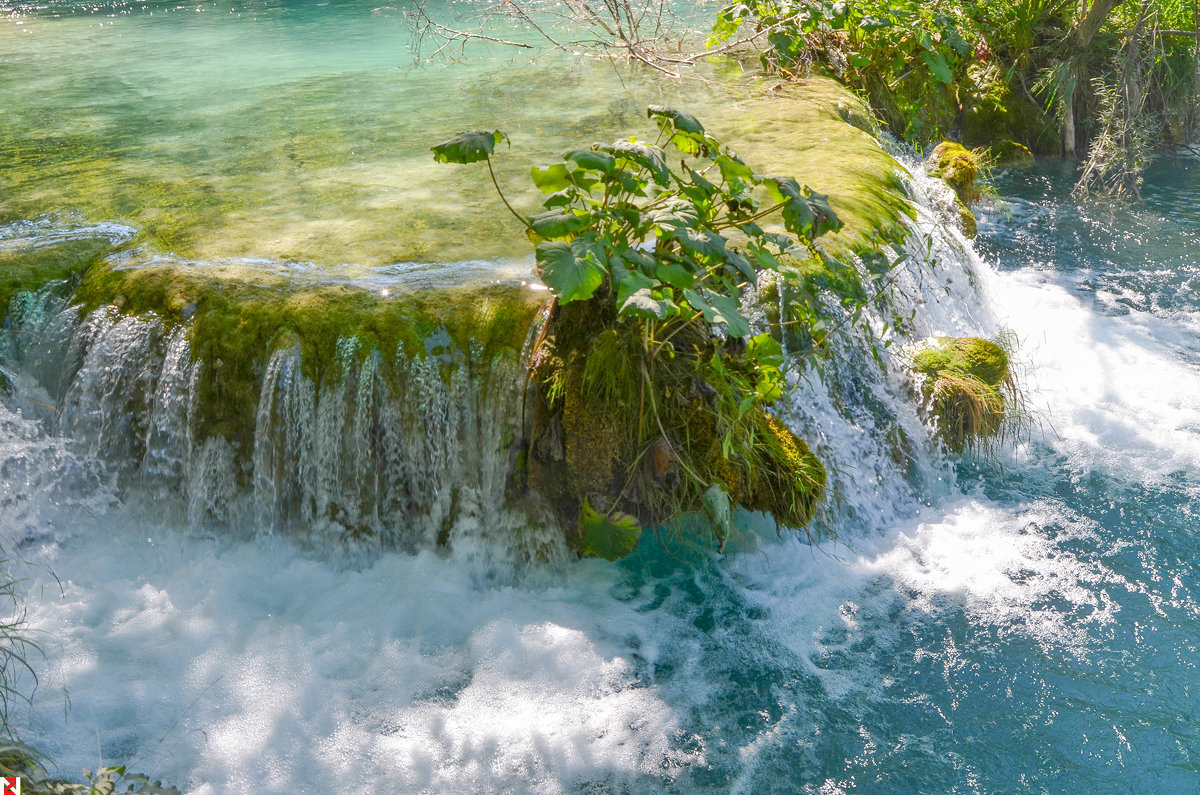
968	389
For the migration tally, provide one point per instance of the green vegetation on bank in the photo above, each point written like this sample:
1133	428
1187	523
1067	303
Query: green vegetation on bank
1110	78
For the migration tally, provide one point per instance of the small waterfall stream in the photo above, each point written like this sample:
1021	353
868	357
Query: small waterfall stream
351	598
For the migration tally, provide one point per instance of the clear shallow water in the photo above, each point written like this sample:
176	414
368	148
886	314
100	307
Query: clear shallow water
1031	629
296	131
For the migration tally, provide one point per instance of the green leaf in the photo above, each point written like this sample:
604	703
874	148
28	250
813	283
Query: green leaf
937	64
639	258
824	218
629	281
765	351
611	538
732	167
676	214
769	387
743	265
648	157
701	243
468	147
684	122
675	274
556	223
591	159
718	308
551	179
648	303
573	272
727	312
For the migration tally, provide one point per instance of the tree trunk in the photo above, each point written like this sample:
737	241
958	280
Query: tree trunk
1075	49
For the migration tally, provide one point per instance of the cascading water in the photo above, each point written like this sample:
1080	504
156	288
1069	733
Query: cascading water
237	662
973	628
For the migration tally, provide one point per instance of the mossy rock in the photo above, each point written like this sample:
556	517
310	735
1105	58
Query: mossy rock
959	167
791	486
968	388
28	267
611	439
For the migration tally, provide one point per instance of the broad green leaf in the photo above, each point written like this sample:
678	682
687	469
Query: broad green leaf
551	179
684	122
732	167
645	302
937	64
468	147
782	188
591	159
764	351
718	308
701	243
559	223
648	157
769	387
743	265
676	215
638	258
765	259
675	274
798	218
609	537
571	271
629	281
824	218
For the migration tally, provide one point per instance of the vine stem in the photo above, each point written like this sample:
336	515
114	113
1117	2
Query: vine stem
500	193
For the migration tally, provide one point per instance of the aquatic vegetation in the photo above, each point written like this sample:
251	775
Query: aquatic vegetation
971	391
655	387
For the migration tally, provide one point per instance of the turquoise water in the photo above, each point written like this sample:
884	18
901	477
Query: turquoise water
297	131
1027	626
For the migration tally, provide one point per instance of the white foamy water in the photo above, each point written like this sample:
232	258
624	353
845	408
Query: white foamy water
247	668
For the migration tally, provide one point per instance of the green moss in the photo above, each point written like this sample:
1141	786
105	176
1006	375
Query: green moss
790	483
969	389
959	167
970	226
28	268
645	436
818	132
236	324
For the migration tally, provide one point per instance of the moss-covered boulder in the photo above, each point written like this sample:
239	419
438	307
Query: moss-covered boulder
43	252
969	390
959	167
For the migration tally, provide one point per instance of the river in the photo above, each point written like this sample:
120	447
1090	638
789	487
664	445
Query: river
1020	625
